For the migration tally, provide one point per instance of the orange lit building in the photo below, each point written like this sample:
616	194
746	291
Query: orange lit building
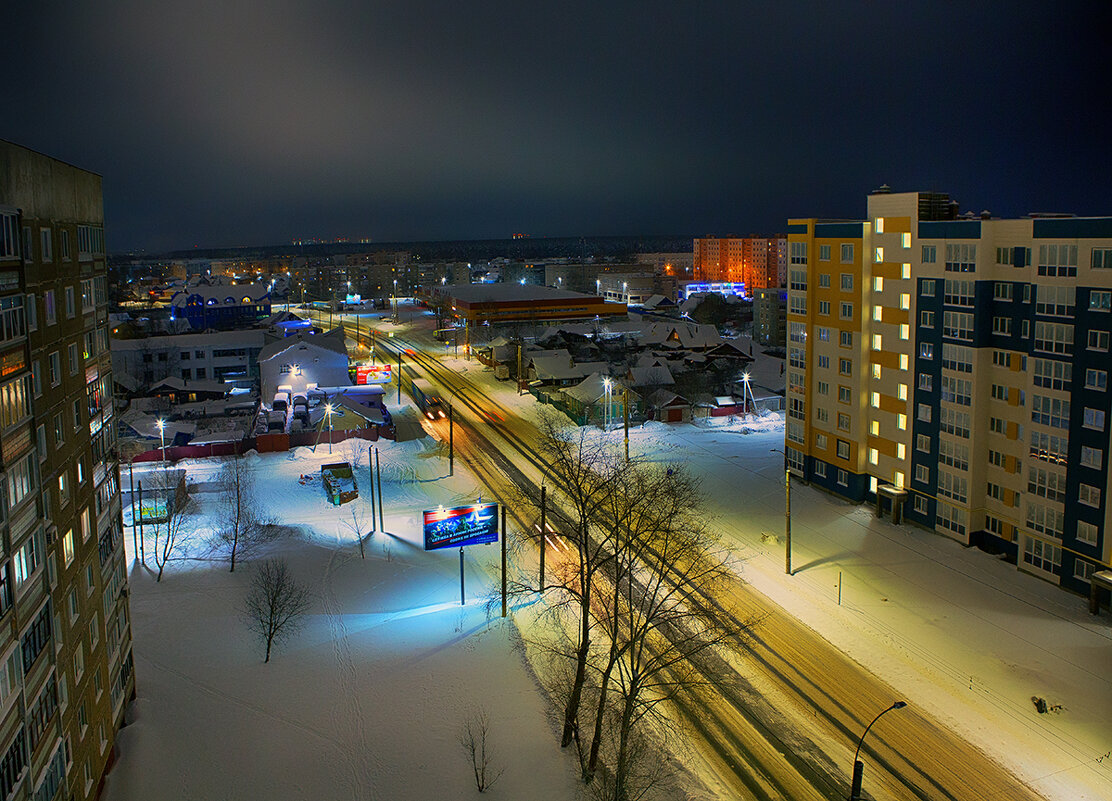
755	261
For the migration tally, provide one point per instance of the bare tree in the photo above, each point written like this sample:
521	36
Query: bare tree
356	523
170	529
587	473
473	740
662	620
275	604
241	525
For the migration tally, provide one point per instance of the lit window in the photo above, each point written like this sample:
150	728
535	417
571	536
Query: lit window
903	361
877	313
878	284
878	256
901	392
905	301
901	422
878	342
905	271
905	331
879	225
874	456
905	240
901	450
874	428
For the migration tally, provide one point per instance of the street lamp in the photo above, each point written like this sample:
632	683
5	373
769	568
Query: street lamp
606	411
328	411
787	511
162	437
858	767
625	291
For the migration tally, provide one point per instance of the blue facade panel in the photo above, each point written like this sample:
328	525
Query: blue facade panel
1073	228
847	230
950	229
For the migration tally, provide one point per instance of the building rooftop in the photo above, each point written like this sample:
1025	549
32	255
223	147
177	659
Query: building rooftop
503	293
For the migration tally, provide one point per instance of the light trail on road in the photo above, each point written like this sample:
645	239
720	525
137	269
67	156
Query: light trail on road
785	723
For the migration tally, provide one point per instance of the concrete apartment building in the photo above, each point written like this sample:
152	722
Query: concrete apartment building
757	262
955	371
65	641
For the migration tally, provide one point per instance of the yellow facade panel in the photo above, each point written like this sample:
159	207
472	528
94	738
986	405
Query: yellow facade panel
892	405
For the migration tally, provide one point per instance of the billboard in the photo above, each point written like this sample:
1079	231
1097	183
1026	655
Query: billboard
372	374
463	525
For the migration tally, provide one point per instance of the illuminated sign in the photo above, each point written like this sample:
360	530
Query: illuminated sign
372	374
463	525
716	287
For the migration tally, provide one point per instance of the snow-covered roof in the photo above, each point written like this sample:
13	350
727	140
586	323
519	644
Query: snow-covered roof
250	338
650	376
181	385
333	341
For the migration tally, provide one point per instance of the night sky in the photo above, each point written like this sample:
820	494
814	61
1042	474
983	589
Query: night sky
224	123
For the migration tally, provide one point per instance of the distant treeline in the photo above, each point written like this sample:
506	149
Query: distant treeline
476	250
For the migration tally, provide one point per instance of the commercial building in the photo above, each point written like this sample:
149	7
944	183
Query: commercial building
757	262
65	641
229	356
955	371
497	304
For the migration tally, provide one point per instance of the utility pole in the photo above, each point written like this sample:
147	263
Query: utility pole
625	413
519	381
788	521
451	441
543	489
787	511
378	469
371	476
503	560
399	375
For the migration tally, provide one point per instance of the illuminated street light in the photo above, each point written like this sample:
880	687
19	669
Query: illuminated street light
858	767
606	411
328	411
787	511
162	437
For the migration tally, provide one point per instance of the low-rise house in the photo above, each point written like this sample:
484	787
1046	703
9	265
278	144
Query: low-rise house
303	362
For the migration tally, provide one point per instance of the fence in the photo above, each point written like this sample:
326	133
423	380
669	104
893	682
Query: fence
263	443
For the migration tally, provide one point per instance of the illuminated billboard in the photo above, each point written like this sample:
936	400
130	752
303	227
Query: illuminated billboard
463	525
372	374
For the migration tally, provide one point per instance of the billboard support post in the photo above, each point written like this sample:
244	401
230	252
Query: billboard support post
503	561
461	597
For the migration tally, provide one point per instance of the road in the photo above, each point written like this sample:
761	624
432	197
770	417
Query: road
786	720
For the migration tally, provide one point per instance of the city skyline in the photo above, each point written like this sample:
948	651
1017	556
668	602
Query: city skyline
257	125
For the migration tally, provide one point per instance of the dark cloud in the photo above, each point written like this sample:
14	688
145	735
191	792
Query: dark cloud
222	122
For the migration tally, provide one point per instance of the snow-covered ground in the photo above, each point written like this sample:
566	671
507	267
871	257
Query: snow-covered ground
368	701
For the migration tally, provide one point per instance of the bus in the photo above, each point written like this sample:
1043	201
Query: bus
426	398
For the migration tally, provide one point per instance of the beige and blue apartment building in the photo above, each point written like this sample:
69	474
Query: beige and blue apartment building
954	371
65	632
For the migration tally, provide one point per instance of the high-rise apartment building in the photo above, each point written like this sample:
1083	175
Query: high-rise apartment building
757	262
65	641
955	371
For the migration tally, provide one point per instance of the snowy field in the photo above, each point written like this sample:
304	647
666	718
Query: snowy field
369	700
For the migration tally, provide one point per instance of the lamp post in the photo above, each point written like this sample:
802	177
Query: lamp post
606	411
328	411
162	438
858	767
787	511
625	292
395	298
